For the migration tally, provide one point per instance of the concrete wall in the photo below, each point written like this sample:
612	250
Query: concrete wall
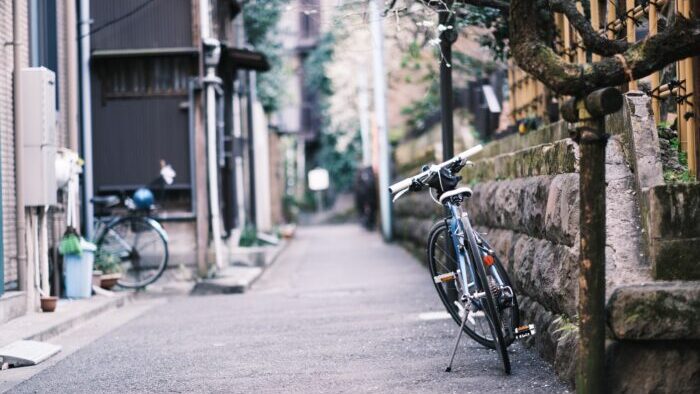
526	198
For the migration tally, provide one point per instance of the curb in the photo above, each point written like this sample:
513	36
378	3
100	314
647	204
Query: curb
115	302
44	326
236	279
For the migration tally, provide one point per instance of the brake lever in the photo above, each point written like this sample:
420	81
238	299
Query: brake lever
399	194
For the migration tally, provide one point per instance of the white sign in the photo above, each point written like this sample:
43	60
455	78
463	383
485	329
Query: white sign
319	179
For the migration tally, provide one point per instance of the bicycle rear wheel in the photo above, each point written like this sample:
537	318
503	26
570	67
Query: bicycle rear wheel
490	307
140	248
441	261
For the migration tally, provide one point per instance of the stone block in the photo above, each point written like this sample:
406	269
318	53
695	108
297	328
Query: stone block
562	209
673	225
546	272
654	367
658	311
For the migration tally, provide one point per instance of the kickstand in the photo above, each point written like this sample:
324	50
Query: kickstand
459	336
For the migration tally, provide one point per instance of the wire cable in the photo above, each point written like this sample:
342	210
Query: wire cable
118	19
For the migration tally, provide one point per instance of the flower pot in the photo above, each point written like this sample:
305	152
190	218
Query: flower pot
107	281
96	278
48	304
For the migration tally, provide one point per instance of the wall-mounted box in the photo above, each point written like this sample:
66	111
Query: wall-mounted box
38	112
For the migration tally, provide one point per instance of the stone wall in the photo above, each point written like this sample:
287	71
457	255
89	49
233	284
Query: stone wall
526	198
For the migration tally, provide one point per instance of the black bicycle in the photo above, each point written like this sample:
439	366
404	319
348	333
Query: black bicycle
467	274
133	242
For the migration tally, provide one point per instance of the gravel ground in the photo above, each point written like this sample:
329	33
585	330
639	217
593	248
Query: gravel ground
338	312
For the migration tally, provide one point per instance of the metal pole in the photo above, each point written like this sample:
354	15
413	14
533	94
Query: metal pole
447	38
86	112
250	91
589	116
20	217
377	26
591	308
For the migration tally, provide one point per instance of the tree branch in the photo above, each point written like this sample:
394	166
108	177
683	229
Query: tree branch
681	39
502	5
591	39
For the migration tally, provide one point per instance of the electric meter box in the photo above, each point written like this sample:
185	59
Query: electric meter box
38	112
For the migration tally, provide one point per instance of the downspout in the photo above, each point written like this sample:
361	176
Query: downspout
86	112
19	153
251	96
210	82
71	75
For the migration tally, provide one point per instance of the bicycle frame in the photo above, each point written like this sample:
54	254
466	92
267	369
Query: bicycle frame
459	229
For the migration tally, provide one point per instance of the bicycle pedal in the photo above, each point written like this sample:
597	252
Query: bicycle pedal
525	331
444	278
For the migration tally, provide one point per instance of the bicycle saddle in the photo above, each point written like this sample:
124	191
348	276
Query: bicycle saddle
463	191
105	201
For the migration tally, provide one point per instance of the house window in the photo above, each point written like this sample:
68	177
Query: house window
44	39
309	18
129	77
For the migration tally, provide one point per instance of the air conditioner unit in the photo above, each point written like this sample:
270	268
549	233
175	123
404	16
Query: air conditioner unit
38	112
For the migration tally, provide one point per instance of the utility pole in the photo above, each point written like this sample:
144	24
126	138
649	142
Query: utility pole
377	26
588	114
447	38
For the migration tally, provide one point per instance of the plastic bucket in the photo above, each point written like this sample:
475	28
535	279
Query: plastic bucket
77	272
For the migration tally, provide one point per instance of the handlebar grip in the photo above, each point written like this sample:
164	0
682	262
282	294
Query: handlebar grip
401	185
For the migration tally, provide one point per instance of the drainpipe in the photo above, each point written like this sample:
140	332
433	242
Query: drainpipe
251	96
19	150
71	75
86	112
212	52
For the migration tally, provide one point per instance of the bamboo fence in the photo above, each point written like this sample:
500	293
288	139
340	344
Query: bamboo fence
673	90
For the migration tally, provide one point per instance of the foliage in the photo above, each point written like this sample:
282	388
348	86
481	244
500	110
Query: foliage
315	77
260	19
679	176
492	21
341	162
108	263
249	237
338	147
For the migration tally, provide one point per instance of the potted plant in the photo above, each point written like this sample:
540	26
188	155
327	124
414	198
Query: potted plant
108	264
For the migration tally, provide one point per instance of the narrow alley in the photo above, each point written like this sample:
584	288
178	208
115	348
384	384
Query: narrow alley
340	311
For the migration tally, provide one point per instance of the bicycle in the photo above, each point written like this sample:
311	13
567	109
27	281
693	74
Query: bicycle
135	241
468	276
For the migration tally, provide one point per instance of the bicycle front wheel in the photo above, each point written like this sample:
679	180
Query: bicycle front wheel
140	248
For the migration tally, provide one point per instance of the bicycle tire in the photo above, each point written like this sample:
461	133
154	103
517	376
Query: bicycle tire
112	241
436	268
490	308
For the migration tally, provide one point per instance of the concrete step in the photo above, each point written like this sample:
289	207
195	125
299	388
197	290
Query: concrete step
656	311
232	280
40	326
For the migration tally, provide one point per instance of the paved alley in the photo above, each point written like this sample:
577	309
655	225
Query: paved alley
340	311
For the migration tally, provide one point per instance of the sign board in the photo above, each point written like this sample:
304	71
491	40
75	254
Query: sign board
319	179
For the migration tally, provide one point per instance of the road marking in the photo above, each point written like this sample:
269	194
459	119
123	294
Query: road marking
441	315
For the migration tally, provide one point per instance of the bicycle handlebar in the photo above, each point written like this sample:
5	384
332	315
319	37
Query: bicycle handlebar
405	183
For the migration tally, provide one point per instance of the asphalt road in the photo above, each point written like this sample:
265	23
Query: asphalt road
340	311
